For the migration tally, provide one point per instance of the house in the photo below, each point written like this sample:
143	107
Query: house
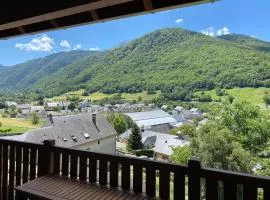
164	147
155	120
161	143
10	103
91	132
37	109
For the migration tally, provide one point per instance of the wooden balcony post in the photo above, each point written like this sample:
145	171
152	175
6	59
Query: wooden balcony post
46	158
194	186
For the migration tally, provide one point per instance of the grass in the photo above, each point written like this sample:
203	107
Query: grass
99	96
252	95
18	125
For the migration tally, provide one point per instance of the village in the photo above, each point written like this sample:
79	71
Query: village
86	126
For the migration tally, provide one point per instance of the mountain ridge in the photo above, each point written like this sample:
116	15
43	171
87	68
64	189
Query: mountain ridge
170	60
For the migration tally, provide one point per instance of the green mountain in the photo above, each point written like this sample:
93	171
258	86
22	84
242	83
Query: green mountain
170	60
247	41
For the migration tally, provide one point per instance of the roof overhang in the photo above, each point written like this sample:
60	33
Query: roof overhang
29	17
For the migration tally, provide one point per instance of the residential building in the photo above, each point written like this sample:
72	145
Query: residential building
91	132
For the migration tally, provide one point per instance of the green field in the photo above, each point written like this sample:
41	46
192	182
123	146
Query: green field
18	125
99	96
252	95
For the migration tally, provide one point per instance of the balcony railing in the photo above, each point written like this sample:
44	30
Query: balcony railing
21	162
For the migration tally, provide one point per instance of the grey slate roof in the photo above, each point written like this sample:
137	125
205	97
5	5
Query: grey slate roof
73	125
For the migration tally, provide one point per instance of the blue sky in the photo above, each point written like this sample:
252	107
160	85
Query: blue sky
248	17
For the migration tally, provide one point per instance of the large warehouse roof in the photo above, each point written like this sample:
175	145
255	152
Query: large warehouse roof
28	17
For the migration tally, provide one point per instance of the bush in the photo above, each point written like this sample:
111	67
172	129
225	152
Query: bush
144	152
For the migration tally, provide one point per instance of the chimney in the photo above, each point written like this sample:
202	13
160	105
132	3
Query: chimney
50	117
94	119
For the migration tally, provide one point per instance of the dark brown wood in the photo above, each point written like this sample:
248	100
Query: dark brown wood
164	183
5	173
114	173
150	181
56	168
74	166
83	164
194	185
18	164
266	193
211	189
33	163
103	165
137	177
230	191
1	171
41	189
25	164
11	171
65	164
179	185
250	192
92	170
125	176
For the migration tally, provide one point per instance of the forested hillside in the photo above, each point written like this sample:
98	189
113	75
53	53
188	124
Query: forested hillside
175	61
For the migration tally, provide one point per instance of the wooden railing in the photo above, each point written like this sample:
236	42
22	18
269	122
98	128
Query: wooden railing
21	162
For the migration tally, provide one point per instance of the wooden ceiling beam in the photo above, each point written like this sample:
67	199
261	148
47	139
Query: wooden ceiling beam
148	5
94	15
21	30
63	13
54	23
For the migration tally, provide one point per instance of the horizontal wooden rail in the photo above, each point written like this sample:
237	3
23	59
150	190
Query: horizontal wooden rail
21	162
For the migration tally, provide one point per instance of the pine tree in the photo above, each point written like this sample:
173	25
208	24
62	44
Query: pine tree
135	139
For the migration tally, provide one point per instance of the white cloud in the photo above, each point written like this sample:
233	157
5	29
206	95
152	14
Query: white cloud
223	31
210	31
178	21
77	47
43	43
65	44
94	49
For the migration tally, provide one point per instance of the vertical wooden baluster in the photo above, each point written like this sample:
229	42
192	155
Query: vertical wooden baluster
194	180
18	164
5	172
230	191
1	174
25	164
11	171
266	193
56	167
250	192
45	158
92	169
113	173
33	163
179	185
211	189
73	166
83	167
125	175
164	183
137	177
150	180
103	165
65	163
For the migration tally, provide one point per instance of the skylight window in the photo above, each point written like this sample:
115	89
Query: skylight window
74	138
86	135
64	139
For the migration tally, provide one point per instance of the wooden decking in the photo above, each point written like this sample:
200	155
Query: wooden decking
60	188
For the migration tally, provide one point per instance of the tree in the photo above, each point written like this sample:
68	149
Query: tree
185	129
72	106
216	148
266	100
181	155
230	99
119	124
35	118
135	139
